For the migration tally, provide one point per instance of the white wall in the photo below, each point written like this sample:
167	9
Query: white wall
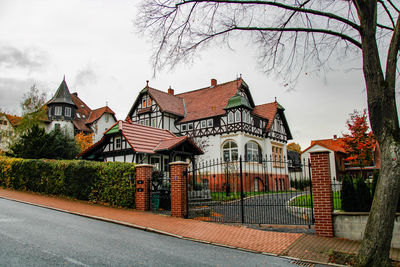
7	132
66	126
102	124
317	148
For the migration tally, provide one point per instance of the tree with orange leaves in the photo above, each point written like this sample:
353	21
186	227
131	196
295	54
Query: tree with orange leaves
84	141
360	142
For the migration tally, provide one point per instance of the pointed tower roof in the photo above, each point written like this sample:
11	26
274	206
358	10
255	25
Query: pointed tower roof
62	95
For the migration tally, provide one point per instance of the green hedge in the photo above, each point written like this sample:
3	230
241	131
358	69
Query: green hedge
100	182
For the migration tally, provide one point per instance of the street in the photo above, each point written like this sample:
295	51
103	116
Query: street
34	236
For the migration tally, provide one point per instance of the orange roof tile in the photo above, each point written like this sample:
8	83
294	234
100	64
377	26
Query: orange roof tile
97	113
167	144
335	145
209	101
266	111
167	102
14	120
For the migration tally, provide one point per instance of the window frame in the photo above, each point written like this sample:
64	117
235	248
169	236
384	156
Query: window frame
58	111
203	124
116	143
252	151
231	117
68	112
210	123
233	151
184	127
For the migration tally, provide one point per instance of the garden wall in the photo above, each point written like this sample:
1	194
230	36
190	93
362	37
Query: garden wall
111	183
351	225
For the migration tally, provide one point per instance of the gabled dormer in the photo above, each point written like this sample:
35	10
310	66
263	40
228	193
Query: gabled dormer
61	106
157	109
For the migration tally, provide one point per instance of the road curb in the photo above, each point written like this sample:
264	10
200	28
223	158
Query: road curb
152	230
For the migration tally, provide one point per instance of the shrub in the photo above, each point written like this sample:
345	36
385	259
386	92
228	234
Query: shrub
363	195
348	193
104	182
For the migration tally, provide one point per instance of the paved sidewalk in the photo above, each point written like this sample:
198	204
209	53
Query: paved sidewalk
293	245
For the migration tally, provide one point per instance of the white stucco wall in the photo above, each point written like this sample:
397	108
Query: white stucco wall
66	126
101	125
317	148
6	133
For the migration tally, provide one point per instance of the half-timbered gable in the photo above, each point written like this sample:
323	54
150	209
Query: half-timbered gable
132	142
157	109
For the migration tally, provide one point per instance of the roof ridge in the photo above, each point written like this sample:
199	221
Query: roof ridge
209	87
158	90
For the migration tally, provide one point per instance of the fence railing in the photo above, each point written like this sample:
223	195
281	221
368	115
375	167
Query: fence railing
267	191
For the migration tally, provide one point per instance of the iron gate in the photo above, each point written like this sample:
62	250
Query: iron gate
161	191
267	191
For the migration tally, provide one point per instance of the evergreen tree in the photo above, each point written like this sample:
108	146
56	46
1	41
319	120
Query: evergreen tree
348	193
36	144
363	193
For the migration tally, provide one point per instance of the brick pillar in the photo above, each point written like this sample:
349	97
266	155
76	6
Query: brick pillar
178	189
322	193
143	178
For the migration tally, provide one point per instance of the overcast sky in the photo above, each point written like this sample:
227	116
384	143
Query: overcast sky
95	45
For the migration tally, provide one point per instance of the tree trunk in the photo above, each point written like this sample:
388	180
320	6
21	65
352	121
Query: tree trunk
375	247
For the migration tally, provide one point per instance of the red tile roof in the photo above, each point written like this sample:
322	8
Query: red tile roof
335	145
167	102
87	115
97	113
143	138
209	101
168	144
266	111
14	120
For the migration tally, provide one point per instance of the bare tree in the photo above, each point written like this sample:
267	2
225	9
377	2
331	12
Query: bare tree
291	37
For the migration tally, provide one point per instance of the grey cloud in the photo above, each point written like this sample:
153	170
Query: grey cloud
11	93
85	76
30	58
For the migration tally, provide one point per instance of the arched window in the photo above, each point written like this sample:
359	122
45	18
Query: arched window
252	151
230	151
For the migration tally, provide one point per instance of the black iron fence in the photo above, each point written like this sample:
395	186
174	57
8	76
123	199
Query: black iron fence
353	193
266	191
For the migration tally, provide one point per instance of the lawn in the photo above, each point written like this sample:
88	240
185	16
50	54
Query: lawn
305	201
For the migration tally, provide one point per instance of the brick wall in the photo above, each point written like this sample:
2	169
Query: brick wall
322	193
178	189
143	179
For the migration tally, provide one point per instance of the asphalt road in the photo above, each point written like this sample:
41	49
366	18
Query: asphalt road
34	236
262	209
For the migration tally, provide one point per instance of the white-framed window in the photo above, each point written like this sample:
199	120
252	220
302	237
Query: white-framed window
143	103
154	122
277	156
203	124
190	126
155	161
141	122
118	143
68	112
184	127
230	151
58	111
78	115
210	123
146	122
237	116
252	151
247	117
106	117
230	117
149	102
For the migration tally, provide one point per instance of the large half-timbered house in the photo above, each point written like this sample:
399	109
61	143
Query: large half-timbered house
222	119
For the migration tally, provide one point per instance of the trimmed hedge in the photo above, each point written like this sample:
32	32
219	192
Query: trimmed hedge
100	182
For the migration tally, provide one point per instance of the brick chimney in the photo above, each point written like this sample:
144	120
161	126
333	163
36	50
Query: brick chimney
334	137
213	82
171	91
75	94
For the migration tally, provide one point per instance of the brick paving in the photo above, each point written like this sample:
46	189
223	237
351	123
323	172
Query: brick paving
295	245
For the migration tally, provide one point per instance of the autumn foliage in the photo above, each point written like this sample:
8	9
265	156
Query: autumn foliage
84	141
360	142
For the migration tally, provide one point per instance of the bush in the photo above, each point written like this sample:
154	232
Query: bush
363	195
103	182
348	195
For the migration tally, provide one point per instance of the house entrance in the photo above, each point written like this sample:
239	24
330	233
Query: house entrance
249	192
161	191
